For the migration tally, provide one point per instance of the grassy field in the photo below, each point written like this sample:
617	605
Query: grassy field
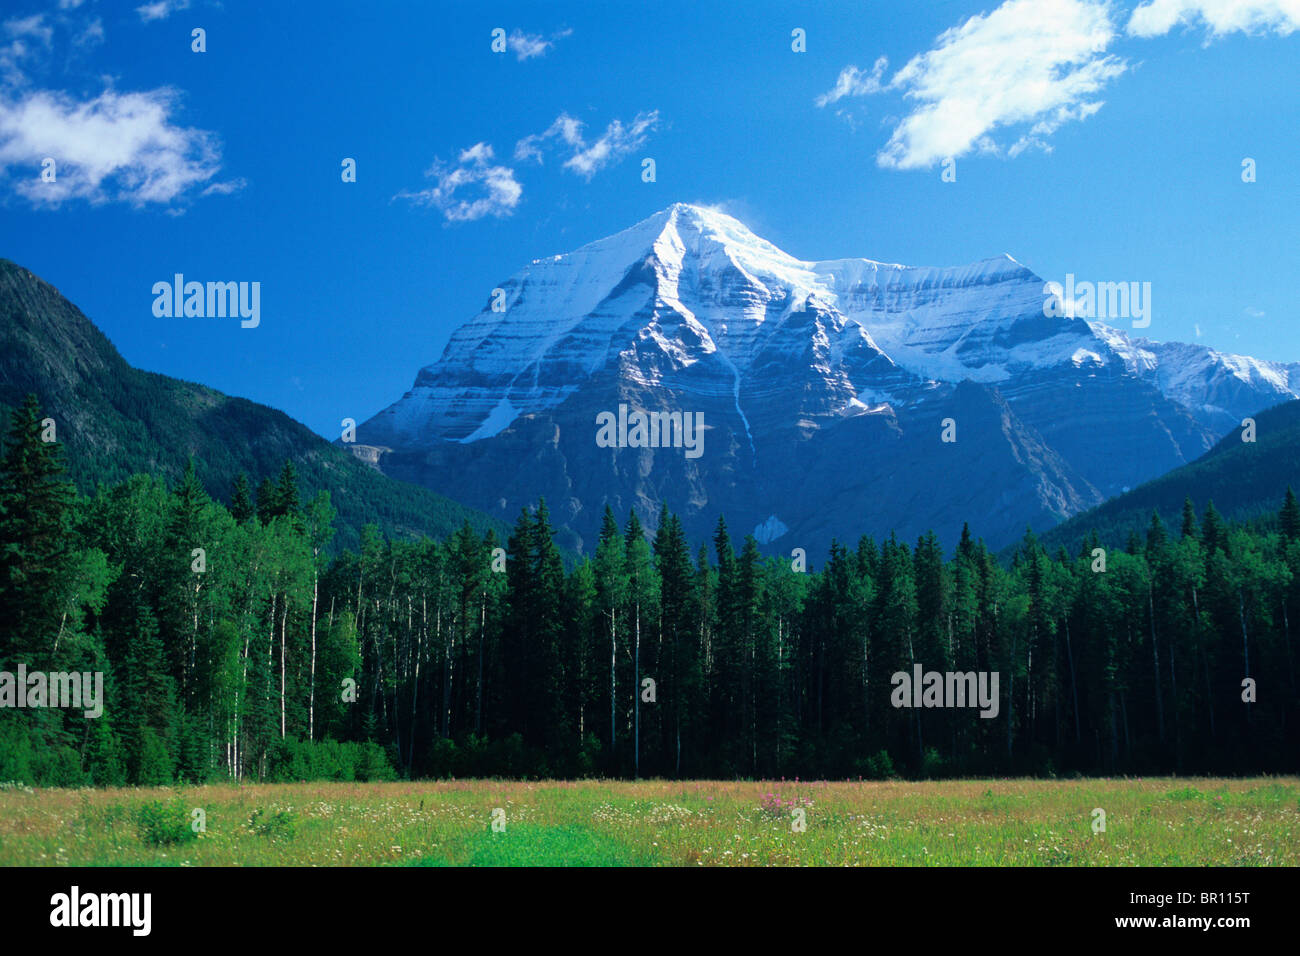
1150	821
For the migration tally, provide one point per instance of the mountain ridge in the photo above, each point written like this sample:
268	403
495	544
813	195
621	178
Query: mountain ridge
1245	481
115	420
688	310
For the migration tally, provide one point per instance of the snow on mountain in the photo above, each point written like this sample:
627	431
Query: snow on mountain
1218	387
564	317
697	283
797	364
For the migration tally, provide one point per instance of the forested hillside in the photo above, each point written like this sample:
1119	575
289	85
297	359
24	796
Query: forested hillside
1240	477
116	421
258	657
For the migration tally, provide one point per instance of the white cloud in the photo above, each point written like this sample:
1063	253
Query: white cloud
855	82
226	188
588	159
565	127
494	189
1221	17
161	9
525	46
33	26
117	147
27	39
93	33
1032	64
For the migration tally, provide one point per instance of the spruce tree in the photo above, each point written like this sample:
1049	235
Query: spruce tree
1289	518
680	676
241	505
1190	528
643	592
1157	536
1214	534
286	497
266	501
35	557
611	597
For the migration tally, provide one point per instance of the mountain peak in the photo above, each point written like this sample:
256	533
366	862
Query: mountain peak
694	221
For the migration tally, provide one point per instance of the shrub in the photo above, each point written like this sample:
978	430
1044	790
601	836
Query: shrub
278	825
303	760
162	823
444	758
155	762
881	766
373	764
932	764
16	757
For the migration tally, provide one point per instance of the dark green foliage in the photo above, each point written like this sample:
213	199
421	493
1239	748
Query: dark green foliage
276	825
35	559
241	505
163	823
116	421
1242	478
1289	518
267	660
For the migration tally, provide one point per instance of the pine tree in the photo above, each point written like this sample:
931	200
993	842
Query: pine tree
241	505
548	687
680	657
1190	527
266	501
35	556
1289	517
286	493
1213	532
147	702
611	596
1157	536
643	589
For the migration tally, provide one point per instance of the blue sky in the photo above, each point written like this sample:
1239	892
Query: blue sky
1101	140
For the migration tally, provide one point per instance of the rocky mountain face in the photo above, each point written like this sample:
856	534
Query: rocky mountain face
826	391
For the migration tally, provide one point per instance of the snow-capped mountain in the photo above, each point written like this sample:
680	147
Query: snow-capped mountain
823	389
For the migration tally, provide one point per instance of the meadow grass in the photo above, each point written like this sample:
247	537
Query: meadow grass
1149	821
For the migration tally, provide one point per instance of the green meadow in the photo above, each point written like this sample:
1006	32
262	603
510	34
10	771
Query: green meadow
1148	821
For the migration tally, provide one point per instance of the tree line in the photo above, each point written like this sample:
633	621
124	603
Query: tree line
237	645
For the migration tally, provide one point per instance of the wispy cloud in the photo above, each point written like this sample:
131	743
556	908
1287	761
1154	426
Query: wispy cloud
122	147
161	9
471	188
33	27
1220	17
1029	66
525	46
587	159
855	82
92	33
25	41
226	188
